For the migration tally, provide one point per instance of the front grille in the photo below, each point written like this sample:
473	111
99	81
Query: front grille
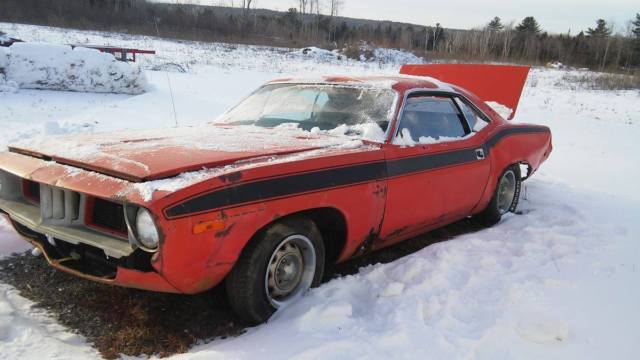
31	190
108	215
58	205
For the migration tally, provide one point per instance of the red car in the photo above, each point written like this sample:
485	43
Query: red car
300	175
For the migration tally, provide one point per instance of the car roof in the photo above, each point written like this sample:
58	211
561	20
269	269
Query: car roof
400	83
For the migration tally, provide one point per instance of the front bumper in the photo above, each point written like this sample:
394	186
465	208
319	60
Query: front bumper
121	276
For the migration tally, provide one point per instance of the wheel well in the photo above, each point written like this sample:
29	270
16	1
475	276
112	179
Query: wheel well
525	170
333	227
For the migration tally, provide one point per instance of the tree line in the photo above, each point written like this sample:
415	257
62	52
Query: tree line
317	22
596	48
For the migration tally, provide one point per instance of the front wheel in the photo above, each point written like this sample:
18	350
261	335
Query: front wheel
505	198
276	268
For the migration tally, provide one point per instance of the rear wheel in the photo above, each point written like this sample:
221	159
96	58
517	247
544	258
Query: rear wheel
276	268
505	197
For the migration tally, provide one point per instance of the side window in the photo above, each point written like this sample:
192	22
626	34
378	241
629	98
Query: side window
429	119
476	121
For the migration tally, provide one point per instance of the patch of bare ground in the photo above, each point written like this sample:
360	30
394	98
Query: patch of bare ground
120	321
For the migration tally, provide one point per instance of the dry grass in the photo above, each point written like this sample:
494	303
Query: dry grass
602	81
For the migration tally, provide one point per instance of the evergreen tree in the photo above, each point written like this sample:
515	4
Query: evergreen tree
636	27
635	33
601	30
495	25
529	25
438	36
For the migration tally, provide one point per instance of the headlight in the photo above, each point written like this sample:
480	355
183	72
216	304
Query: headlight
146	230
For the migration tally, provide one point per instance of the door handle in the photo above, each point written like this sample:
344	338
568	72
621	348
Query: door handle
480	154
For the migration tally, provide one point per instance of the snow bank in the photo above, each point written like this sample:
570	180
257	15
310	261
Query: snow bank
368	54
396	57
318	54
59	67
4	58
27	332
5	86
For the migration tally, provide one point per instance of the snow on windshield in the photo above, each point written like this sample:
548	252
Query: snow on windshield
338	109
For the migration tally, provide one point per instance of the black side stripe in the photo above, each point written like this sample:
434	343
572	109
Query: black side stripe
335	177
429	162
288	185
514	131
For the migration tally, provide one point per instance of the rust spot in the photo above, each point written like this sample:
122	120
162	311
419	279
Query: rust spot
248	212
225	232
367	243
397	231
233	177
120	198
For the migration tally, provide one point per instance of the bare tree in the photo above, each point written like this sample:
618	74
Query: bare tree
507	39
335	7
302	4
607	45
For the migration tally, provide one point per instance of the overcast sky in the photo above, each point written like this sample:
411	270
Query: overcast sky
553	15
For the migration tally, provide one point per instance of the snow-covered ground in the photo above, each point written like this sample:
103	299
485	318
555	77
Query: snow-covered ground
560	281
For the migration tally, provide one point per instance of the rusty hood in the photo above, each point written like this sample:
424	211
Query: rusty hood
140	156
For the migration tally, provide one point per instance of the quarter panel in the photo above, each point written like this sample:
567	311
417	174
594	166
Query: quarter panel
511	144
195	262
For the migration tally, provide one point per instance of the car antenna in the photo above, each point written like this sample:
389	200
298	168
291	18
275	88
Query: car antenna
166	72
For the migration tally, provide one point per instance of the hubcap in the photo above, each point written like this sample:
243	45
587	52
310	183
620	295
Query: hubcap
506	192
290	270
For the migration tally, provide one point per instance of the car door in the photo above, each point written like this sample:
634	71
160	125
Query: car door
436	167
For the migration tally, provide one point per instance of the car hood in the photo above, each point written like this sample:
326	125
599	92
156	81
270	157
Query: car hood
140	156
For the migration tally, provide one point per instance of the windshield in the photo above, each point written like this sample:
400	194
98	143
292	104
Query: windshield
315	107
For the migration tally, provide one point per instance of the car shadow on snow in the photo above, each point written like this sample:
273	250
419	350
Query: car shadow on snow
135	322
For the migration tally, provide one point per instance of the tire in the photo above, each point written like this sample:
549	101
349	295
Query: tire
277	266
499	205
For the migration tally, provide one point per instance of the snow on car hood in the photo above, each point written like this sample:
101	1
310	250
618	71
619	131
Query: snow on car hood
156	154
